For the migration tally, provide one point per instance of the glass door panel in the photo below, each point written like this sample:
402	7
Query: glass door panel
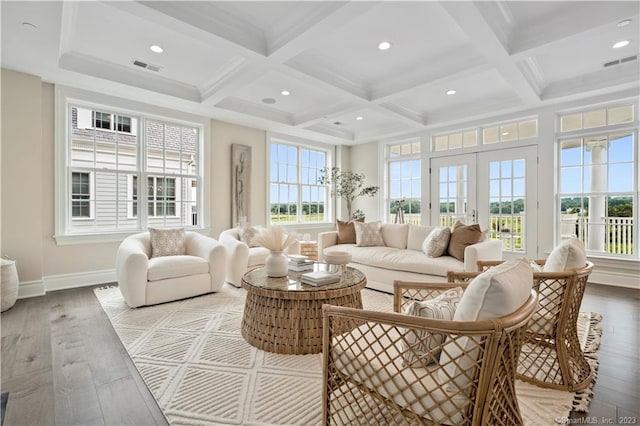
453	190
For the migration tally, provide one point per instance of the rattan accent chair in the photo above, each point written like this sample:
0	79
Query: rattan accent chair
366	380
551	356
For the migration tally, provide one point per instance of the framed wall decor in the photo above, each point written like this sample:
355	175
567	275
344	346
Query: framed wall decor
240	183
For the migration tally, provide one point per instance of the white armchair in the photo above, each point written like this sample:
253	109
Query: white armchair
241	257
145	280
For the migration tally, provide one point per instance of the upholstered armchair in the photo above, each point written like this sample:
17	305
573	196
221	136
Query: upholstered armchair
241	257
551	356
388	368
147	280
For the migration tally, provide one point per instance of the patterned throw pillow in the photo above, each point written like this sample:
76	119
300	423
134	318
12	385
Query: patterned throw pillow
247	234
436	242
420	347
167	242
368	234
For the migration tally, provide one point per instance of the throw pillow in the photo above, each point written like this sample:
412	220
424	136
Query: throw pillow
347	231
167	242
497	292
568	255
461	237
436	242
368	234
247	234
420	347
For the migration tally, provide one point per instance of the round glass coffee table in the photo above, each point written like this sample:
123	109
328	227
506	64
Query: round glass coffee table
283	315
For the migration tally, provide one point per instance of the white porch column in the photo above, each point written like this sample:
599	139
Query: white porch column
597	203
461	189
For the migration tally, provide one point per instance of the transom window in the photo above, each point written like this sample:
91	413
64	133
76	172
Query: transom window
295	194
404	183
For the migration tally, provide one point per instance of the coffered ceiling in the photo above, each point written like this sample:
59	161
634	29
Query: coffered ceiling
232	60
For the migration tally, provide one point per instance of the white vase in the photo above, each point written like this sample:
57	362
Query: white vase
277	264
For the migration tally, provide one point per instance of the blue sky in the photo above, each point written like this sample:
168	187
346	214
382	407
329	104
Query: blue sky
617	164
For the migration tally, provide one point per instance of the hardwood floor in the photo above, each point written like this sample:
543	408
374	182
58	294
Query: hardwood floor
62	363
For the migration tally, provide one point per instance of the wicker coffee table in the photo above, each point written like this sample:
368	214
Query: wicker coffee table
284	316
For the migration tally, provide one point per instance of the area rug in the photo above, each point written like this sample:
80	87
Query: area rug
198	367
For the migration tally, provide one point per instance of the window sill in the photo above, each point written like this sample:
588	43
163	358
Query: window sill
112	237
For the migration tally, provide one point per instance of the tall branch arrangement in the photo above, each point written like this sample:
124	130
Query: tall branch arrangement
347	185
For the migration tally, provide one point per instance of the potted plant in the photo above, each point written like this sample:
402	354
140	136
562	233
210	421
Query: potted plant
347	185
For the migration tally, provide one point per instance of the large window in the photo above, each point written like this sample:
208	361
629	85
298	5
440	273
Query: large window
295	194
404	182
110	155
599	181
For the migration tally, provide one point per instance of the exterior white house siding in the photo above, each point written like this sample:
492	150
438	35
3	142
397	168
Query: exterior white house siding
124	190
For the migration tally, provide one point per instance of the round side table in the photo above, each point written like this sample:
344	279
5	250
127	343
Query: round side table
9	283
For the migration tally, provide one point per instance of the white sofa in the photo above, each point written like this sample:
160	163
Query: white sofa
402	257
241	257
145	280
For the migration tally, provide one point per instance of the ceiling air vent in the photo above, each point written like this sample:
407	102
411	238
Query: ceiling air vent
146	66
621	61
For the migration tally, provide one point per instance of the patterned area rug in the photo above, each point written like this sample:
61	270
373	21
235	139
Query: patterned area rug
201	371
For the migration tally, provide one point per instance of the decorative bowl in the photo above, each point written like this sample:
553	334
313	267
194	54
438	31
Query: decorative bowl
337	257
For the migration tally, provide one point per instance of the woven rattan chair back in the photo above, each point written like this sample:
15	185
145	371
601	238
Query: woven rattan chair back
551	356
367	379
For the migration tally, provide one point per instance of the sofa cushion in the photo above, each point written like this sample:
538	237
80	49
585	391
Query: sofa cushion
436	243
461	237
164	267
368	234
347	231
400	260
417	235
167	242
497	292
395	235
568	255
420	347
257	256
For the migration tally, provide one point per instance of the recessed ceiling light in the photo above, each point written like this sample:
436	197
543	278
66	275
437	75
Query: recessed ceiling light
359	118
505	133
269	101
384	45
156	49
285	93
620	44
624	23
29	25
451	92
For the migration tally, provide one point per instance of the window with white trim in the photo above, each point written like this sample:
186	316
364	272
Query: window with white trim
109	155
404	182
295	195
598	180
80	195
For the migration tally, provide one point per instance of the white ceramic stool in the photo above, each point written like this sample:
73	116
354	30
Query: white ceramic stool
9	283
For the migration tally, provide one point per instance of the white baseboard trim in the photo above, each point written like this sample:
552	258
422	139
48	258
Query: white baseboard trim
79	279
31	289
616	279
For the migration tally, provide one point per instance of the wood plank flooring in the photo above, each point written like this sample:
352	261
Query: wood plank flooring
63	363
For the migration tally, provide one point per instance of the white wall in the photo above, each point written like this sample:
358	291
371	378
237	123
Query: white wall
364	159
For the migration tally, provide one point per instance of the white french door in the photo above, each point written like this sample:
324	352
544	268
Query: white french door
496	189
